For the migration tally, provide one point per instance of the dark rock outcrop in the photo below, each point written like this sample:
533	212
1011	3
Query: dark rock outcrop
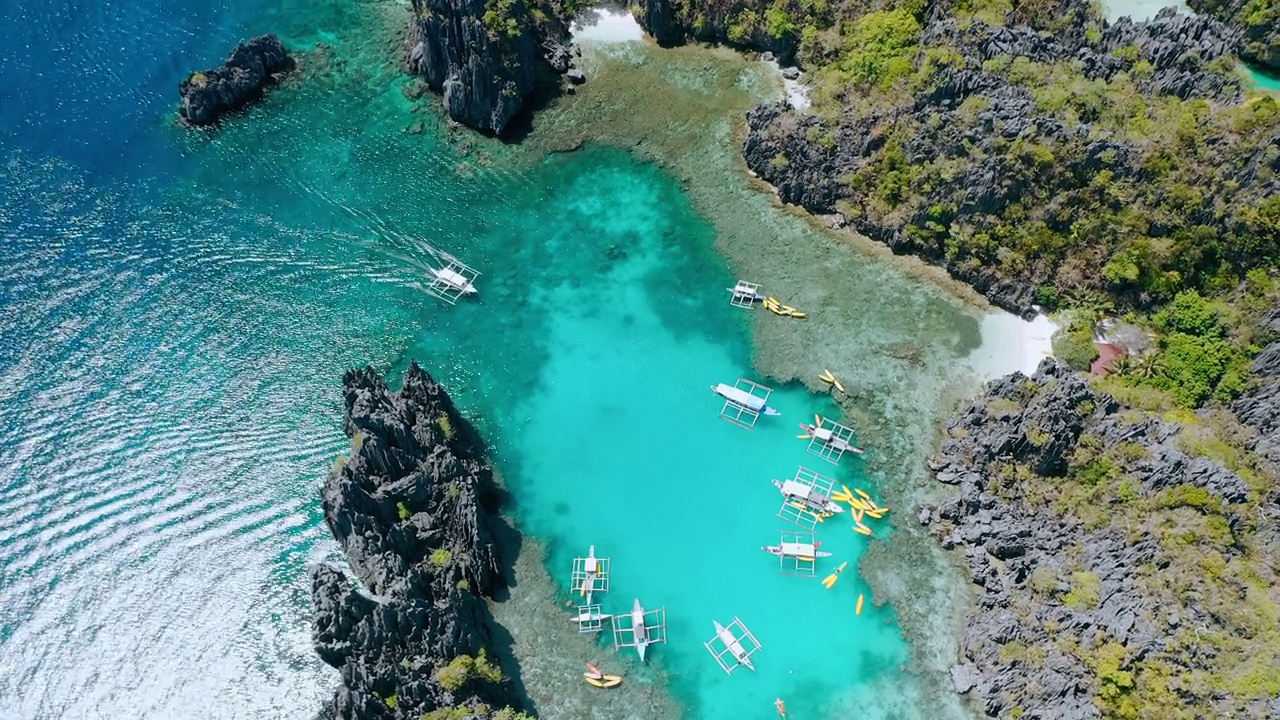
484	57
1044	576
409	509
248	71
661	20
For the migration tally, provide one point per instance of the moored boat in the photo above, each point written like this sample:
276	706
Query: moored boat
796	550
743	398
638	628
805	494
735	647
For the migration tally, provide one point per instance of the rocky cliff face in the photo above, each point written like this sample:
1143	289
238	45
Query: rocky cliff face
1071	516
409	508
484	56
971	123
741	23
249	70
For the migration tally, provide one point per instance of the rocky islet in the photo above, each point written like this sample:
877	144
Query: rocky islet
413	510
251	68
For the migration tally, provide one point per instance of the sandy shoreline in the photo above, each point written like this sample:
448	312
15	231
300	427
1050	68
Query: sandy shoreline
1011	344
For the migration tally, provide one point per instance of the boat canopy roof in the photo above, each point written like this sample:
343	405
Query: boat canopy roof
453	278
796	489
798	549
741	397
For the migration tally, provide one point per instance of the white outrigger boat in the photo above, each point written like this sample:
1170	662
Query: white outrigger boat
797	550
744	399
454	280
640	634
640	628
735	647
591	568
590	616
808	495
837	442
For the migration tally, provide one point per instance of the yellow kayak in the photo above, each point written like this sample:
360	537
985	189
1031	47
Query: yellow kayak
874	514
830	580
826	376
857	515
858	610
606	681
837	384
863	494
859	527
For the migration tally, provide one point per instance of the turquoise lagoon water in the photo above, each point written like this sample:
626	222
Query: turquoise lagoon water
176	311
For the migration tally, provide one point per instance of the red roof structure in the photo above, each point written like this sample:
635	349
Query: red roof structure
1107	353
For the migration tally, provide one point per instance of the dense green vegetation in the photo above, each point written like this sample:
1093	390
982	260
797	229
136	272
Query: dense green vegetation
464	668
1158	198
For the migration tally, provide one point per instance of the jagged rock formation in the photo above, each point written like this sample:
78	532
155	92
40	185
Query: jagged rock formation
249	70
484	56
972	121
1258	22
409	508
1259	408
1086	600
1176	46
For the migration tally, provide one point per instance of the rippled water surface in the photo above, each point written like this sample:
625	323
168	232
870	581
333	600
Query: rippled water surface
176	310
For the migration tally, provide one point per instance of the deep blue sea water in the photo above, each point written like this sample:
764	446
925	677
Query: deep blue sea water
176	310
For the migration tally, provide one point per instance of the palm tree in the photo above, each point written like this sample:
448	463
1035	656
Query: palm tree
1148	365
1121	365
